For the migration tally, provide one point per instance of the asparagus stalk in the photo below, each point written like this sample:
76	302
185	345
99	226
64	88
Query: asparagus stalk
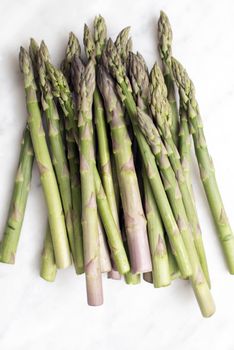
112	61
131	278
56	144
130	195
88	195
160	109
18	201
123	44
164	47
48	179
48	267
161	276
199	283
207	172
94	47
73	50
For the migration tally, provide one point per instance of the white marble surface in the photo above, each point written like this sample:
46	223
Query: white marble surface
36	315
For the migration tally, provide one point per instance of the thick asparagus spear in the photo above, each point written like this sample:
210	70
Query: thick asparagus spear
48	179
123	44
112	61
94	47
207	172
18	201
161	111
73	49
62	91
161	276
199	283
164	47
131	201
56	143
48	267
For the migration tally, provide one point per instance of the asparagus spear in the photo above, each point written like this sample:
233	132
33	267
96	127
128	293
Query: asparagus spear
199	283
89	207
56	143
161	112
130	195
73	50
18	201
48	267
164	47
48	179
98	43
161	276
207	172
112	61
62	91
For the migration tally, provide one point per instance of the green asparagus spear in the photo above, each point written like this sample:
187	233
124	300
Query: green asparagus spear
73	50
164	47
18	201
48	179
56	143
207	172
48	268
112	61
88	194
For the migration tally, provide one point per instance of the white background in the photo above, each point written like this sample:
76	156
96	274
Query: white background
37	315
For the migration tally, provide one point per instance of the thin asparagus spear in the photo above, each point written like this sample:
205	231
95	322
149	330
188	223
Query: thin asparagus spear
164	47
18	201
207	172
73	49
48	179
100	122
62	91
161	276
105	263
199	283
112	61
48	267
56	143
161	112
173	266
131	201
88	195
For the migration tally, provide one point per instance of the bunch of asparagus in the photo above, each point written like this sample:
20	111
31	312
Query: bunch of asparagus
113	144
